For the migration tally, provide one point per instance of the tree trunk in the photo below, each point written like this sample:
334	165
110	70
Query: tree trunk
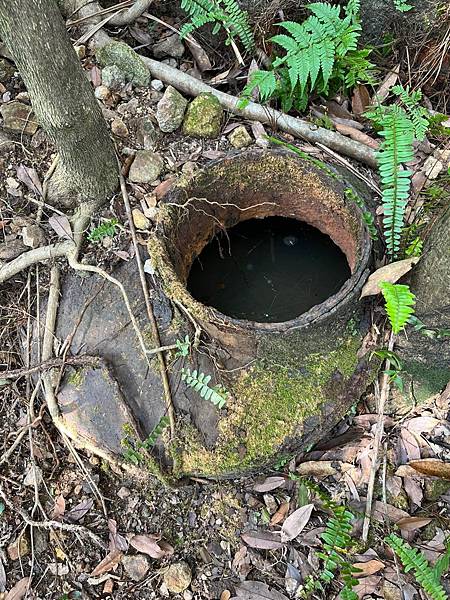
62	99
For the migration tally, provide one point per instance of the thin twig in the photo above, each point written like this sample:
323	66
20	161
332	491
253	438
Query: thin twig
50	364
379	431
149	307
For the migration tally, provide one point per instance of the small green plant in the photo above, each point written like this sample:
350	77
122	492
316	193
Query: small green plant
225	14
106	229
320	55
133	448
200	383
402	5
435	334
183	347
336	544
415	247
399	304
399	124
414	560
396	370
367	215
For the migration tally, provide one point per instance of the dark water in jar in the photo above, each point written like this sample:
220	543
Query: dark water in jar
268	270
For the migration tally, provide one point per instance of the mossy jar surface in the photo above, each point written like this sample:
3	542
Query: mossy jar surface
289	382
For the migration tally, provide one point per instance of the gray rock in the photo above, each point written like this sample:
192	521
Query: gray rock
203	117
147	166
169	46
113	77
136	567
157	85
146	133
33	236
170	110
19	118
102	93
127	61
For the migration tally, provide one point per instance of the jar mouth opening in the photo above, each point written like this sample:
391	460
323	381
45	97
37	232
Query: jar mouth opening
255	185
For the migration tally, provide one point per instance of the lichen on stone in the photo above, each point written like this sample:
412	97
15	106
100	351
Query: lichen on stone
125	59
203	117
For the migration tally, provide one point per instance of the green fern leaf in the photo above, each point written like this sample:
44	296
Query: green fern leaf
414	560
399	304
200	383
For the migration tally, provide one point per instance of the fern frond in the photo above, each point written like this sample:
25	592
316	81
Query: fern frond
414	560
200	383
265	81
402	5
106	229
418	114
150	441
399	304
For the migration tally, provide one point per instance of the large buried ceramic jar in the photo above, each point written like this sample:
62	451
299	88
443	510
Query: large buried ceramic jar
266	253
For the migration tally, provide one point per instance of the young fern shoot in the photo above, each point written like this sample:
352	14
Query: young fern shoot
399	304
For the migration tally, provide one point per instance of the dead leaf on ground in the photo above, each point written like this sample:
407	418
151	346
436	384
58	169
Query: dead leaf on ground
151	545
79	511
111	560
368	568
264	540
410	444
296	522
390	273
242	562
256	590
413	489
357	135
30	178
422	425
360	99
367	586
19	590
322	468
269	484
61	225
383	91
413	523
60	508
280	514
116	540
370	419
432	467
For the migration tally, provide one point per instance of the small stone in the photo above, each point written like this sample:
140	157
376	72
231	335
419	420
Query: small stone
240	137
119	128
146	167
170	62
102	93
391	591
33	236
139	219
127	60
7	70
123	492
12	249
80	51
187	595
157	84
432	167
169	46
178	577
19	548
23	97
146	133
129	107
203	117
189	167
170	110
136	567
113	77
19	118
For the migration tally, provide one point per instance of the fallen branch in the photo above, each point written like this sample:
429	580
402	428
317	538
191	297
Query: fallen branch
50	364
256	112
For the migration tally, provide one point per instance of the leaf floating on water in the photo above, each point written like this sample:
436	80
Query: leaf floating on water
296	522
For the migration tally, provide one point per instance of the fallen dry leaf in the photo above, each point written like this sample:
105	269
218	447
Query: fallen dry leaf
61	225
367	586
383	91
413	489
256	590
241	562
280	514
151	545
111	560
19	590
296	522
269	484
422	425
390	273
412	523
77	512
360	100
370	419
432	467
30	178
368	568
410	444
357	135
60	508
322	468
264	540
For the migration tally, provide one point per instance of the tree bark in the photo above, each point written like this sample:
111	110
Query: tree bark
62	99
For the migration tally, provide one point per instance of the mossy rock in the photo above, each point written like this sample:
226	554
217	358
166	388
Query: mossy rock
125	59
203	117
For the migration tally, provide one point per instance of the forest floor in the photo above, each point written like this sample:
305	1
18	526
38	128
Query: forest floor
203	539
